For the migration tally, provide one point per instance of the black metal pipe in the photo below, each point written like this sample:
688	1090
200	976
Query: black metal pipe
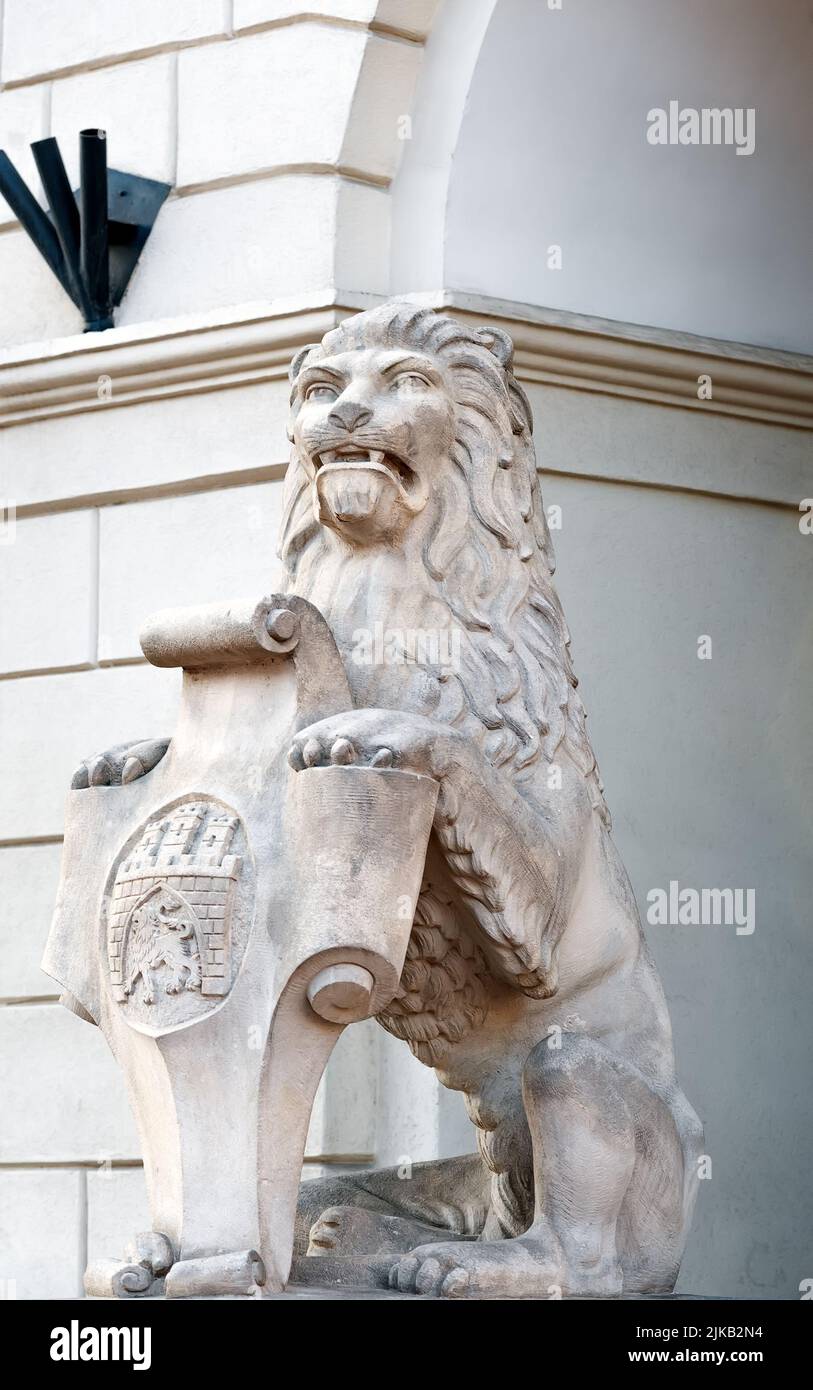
25	206
64	212
94	255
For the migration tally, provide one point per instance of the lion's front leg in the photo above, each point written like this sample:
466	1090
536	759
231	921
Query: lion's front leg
515	862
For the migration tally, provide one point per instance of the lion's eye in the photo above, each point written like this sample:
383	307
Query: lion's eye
321	391
410	381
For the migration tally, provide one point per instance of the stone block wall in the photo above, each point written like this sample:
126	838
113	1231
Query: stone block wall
277	121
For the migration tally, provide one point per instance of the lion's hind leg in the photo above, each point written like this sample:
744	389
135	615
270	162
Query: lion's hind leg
610	1213
393	1209
609	1167
357	1231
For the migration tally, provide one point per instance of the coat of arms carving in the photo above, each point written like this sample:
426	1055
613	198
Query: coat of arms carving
169	919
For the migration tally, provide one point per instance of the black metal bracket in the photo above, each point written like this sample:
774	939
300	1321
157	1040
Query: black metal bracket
91	239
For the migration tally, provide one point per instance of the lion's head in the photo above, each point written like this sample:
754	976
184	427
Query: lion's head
412	447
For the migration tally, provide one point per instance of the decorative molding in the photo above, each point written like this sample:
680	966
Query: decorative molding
582	353
124	366
253	344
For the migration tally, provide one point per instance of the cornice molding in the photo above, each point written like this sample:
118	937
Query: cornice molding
121	367
661	366
237	347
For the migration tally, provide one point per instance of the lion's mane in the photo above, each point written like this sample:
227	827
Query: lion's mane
489	555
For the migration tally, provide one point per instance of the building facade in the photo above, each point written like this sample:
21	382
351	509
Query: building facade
499	158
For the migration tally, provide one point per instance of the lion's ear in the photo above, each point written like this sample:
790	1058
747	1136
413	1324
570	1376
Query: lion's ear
499	343
296	362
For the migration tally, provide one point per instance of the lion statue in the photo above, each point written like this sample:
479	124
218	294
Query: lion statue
412	505
412	501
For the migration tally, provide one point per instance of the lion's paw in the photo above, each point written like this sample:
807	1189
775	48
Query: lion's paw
480	1269
348	1230
356	1231
376	738
326	1233
120	765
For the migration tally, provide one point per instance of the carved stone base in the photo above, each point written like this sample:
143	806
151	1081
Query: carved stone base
326	1276
150	1271
240	1275
141	1274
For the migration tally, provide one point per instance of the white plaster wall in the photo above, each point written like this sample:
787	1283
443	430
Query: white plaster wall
552	149
708	769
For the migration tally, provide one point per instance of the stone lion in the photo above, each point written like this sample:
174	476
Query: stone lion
412	502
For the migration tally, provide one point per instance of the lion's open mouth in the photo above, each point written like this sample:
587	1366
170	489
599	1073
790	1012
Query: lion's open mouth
351	456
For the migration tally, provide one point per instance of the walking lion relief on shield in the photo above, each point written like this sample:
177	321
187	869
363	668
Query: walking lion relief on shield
412	505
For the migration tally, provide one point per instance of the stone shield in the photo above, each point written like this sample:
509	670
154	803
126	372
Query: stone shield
211	914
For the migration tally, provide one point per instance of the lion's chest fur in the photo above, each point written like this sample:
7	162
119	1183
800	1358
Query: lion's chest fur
443	992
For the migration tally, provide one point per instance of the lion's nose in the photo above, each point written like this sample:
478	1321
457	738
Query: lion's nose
349	414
